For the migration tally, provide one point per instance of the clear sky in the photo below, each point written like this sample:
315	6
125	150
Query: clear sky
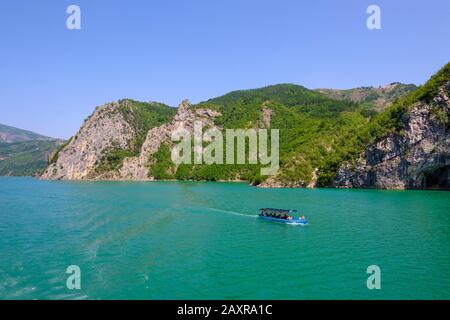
51	78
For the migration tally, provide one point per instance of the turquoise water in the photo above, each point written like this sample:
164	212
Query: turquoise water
180	240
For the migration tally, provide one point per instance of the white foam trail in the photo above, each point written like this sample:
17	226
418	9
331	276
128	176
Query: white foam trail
234	213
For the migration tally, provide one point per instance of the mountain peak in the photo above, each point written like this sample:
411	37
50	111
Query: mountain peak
185	104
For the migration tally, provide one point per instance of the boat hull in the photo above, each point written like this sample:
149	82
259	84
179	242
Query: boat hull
285	221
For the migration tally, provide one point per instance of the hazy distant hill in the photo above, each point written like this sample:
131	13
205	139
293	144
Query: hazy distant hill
10	134
25	158
24	153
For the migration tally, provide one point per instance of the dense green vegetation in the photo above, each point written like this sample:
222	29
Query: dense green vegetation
310	125
25	158
162	167
113	160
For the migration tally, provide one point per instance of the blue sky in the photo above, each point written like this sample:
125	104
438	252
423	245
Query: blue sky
51	78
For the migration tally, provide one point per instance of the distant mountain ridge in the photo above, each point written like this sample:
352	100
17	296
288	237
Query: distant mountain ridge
10	134
24	153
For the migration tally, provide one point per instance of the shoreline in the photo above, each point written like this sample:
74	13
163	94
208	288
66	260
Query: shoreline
226	181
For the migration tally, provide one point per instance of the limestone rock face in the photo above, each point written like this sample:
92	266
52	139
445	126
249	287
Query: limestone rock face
105	128
419	157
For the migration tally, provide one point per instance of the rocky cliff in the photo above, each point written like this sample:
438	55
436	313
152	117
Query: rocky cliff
108	132
104	129
416	157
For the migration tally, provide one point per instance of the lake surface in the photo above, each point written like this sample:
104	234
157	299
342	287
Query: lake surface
199	240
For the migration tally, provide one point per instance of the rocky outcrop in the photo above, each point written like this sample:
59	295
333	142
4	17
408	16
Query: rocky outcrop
314	177
137	168
104	129
266	117
418	157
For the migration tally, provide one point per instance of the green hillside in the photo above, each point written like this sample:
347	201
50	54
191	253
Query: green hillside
310	123
23	152
25	158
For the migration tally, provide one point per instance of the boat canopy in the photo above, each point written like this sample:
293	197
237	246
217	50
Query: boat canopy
277	211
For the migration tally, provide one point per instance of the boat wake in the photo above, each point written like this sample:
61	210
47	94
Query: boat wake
234	213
